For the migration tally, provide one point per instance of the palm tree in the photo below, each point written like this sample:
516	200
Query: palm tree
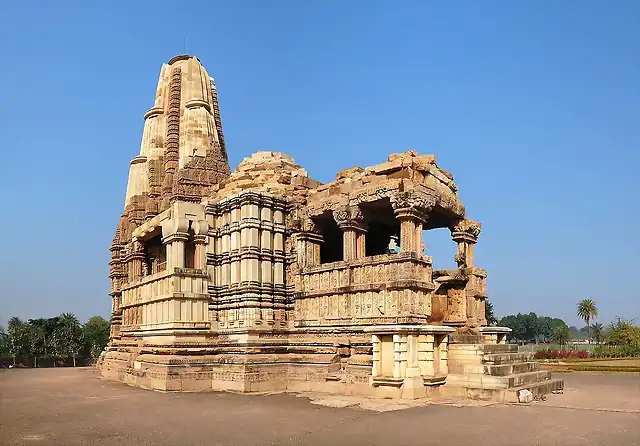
586	311
69	319
596	329
14	321
71	335
561	334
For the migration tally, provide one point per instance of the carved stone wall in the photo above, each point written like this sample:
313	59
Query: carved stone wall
247	259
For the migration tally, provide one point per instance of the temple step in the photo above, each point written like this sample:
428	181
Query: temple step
507	358
521	379
499	348
539	388
505	395
511	368
498	382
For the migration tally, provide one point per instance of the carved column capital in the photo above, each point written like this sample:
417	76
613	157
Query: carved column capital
350	217
464	230
412	204
299	222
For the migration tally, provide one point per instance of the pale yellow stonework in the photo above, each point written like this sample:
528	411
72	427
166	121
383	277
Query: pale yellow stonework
265	279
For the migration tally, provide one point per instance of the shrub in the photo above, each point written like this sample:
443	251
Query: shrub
561	354
616	351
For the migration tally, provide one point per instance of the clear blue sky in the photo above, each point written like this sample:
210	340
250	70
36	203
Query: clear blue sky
534	106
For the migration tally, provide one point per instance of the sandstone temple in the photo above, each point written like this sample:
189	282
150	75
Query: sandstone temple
263	279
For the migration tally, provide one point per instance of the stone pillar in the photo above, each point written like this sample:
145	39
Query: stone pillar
136	260
236	242
350	220
418	234
200	239
376	369
278	247
465	233
249	239
174	235
425	354
407	230
413	386
444	355
309	239
411	208
399	355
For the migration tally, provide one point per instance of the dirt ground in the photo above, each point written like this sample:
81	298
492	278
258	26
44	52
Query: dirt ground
74	407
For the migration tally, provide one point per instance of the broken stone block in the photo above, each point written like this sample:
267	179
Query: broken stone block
525	396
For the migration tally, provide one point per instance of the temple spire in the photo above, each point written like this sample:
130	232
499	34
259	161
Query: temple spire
182	153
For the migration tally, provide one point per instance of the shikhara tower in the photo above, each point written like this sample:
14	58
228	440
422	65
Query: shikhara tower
266	279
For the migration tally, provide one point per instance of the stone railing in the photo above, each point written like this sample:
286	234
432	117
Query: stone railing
384	289
387	271
168	299
149	287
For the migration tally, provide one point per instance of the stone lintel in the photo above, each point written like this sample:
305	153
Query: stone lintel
176	236
490	330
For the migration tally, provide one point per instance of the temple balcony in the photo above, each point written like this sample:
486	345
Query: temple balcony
166	300
387	288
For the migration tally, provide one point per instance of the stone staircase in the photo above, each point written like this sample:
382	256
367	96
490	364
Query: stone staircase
495	372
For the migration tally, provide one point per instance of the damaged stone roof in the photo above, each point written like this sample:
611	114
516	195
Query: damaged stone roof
269	172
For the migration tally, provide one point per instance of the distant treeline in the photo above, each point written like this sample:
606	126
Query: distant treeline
59	340
620	335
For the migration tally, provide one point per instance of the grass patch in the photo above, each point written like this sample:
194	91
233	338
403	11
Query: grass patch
628	365
609	362
536	347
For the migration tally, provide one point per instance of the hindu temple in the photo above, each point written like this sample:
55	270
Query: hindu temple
264	279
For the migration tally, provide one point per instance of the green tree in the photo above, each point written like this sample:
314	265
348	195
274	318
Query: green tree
532	327
587	310
4	342
18	338
516	325
623	332
596	332
48	327
488	313
70	336
96	335
36	341
561	335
